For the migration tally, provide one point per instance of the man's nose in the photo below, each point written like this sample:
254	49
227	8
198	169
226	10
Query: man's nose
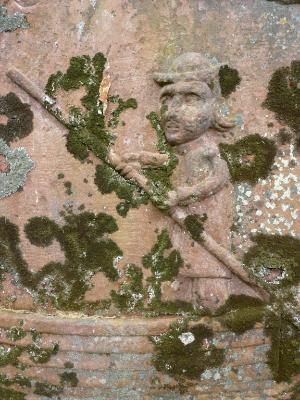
175	104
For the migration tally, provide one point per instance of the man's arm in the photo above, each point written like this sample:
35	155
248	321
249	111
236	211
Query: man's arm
218	177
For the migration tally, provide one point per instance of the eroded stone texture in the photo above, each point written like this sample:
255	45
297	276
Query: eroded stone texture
192	241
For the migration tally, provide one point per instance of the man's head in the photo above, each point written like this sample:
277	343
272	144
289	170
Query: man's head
188	97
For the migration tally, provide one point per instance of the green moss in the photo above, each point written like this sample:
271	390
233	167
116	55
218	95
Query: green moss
131	294
283	97
194	225
39	355
86	130
69	379
229	79
240	313
182	353
284	354
41	231
275	252
160	177
108	180
68	365
68	186
47	390
10	355
10	394
20	118
122	106
15	333
163	268
87	250
284	136
295	392
60	175
250	158
18	380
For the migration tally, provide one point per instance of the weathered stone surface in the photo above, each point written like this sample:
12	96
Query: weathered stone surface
103	331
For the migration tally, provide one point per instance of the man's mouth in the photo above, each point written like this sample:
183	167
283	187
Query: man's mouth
172	126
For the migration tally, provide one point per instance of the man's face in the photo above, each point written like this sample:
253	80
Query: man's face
186	111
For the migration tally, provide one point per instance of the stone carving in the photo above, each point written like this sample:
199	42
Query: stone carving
192	124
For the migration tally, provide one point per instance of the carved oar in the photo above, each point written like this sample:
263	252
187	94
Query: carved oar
214	248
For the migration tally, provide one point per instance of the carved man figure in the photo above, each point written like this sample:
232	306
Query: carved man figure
189	115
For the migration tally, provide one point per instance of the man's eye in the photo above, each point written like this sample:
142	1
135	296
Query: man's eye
166	99
191	98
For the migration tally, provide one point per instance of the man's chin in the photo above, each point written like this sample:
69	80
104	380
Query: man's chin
173	138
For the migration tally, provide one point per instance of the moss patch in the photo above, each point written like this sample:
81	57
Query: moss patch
160	177
135	295
9	356
131	294
163	267
240	313
184	352
108	180
281	253
10	394
69	379
87	129
229	79
283	97
20	118
250	158
284	354
194	225
122	106
87	250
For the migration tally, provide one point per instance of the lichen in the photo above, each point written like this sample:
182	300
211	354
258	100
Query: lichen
186	352
229	79
132	293
283	97
20	118
240	313
194	225
19	165
87	250
250	158
9	23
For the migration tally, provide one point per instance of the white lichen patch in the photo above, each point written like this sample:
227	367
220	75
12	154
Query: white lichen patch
186	338
271	206
19	164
